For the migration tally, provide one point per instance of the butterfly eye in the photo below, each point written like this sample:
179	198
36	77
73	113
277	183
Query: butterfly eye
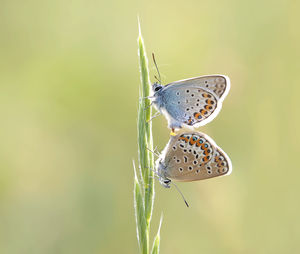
157	88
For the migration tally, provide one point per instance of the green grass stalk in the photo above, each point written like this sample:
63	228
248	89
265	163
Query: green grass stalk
144	185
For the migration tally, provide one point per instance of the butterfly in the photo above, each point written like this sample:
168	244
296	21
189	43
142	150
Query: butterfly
191	156
191	102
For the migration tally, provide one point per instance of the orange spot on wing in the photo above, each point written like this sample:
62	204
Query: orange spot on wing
205	159
196	115
203	112
206	152
206	95
203	147
184	138
209	101
192	142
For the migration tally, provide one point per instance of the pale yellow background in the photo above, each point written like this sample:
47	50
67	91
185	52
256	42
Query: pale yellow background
68	101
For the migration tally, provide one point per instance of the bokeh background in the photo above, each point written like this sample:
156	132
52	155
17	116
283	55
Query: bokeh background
69	93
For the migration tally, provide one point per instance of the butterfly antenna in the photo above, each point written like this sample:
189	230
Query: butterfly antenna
186	203
156	174
157	79
156	69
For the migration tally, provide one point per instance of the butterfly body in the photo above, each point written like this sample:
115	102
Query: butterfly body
191	102
191	156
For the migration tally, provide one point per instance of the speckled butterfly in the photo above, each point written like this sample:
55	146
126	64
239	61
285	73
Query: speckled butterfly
191	156
190	102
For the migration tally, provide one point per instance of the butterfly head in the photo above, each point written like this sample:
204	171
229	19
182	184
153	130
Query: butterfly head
161	169
156	87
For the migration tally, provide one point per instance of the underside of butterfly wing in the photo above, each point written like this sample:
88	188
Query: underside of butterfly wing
194	156
190	105
218	85
194	102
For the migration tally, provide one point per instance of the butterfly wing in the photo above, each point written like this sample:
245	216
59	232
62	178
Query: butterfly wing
194	156
195	101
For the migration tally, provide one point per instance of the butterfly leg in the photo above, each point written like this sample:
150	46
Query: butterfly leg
148	97
156	153
155	115
173	132
148	106
156	150
173	124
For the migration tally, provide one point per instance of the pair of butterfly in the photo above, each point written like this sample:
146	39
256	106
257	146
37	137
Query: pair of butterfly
191	155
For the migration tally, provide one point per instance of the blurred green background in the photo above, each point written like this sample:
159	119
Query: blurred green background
69	93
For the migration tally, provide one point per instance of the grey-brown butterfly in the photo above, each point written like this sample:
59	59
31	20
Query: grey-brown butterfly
191	156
